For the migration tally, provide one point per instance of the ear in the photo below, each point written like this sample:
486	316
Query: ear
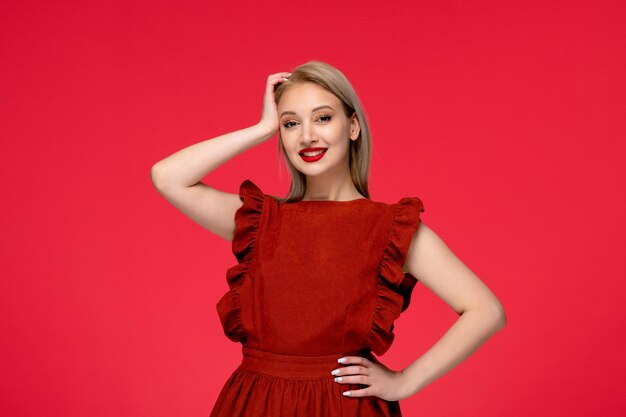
355	127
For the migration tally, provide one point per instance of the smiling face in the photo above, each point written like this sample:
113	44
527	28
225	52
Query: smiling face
312	117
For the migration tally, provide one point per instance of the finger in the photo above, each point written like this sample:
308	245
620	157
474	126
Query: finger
355	360
276	81
279	75
353	379
351	370
364	392
272	81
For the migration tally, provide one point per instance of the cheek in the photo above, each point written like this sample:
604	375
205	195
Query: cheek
290	136
288	139
341	139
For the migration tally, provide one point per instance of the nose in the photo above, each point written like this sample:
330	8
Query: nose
307	134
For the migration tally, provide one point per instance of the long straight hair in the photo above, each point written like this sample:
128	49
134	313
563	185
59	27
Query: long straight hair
333	81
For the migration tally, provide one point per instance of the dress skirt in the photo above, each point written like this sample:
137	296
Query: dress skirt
268	384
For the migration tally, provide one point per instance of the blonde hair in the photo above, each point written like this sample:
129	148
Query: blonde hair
332	80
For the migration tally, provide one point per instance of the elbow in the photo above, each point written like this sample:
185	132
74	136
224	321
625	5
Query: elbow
157	176
495	311
499	315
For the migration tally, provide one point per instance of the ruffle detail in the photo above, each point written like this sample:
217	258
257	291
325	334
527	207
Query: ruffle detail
247	220
394	285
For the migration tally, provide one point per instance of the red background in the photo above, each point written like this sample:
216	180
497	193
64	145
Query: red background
506	118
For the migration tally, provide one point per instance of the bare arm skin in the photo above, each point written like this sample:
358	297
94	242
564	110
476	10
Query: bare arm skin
177	177
481	315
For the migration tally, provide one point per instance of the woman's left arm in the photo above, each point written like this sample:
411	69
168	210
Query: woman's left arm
431	261
481	314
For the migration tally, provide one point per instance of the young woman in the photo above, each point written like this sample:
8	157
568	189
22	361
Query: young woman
323	273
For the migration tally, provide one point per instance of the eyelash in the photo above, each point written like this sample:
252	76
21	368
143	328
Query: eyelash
285	125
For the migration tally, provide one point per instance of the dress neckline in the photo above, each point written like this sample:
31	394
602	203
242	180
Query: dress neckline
328	201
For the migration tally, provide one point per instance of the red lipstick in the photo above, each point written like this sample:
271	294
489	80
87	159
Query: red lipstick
314	157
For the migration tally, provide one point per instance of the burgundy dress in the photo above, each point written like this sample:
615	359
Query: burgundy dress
315	281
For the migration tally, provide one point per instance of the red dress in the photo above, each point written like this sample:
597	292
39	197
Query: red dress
315	281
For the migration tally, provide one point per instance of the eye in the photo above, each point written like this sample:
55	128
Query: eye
324	118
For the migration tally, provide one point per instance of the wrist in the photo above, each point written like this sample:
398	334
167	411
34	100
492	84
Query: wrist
414	380
265	130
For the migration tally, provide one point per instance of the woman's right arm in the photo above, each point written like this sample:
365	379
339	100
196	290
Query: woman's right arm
177	177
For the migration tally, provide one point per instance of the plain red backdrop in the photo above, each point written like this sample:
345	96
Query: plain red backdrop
505	118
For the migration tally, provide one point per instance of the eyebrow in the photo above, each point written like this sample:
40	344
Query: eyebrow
314	110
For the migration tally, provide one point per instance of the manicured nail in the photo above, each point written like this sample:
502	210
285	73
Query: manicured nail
341	360
346	393
335	372
338	379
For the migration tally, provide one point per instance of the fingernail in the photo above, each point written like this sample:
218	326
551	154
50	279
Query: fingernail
335	372
341	360
346	393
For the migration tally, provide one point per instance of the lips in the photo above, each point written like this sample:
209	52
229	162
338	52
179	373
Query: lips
314	157
311	150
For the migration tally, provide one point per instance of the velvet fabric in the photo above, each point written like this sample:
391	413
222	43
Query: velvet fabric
314	281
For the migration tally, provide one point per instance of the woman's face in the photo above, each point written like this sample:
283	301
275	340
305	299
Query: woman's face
311	117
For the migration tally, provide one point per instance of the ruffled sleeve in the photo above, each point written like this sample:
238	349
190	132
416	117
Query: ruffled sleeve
247	219
394	287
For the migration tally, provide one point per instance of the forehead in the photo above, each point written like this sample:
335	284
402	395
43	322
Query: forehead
306	96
